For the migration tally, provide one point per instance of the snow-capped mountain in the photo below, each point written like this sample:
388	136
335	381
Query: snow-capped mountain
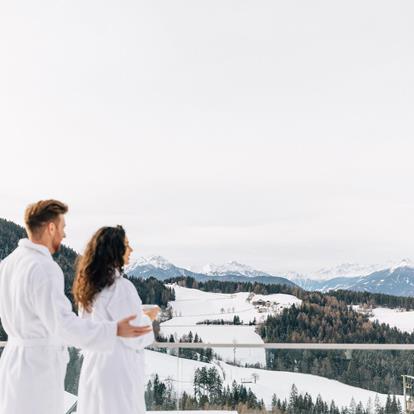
398	280
346	270
335	283
395	280
232	268
158	267
158	262
162	269
402	264
321	279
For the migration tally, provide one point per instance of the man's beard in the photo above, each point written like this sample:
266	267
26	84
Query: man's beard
56	246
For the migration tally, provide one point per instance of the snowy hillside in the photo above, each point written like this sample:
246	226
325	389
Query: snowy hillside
181	372
396	318
193	306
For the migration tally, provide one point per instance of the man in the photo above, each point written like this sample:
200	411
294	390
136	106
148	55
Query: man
39	321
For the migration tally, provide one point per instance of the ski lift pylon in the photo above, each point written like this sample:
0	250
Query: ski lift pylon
408	382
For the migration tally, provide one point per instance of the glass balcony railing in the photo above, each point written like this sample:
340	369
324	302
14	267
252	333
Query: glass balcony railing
278	377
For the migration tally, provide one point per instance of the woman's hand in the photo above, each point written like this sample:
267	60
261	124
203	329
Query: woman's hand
152	313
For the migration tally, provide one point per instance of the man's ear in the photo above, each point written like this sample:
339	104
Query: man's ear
51	227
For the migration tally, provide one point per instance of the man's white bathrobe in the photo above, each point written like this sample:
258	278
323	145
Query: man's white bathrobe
113	383
39	322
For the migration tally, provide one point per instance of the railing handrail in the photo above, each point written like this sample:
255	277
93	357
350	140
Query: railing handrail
288	345
281	345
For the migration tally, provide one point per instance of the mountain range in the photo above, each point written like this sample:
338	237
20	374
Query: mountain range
160	268
346	270
396	280
393	280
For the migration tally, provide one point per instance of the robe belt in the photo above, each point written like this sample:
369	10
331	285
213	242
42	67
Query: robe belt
32	342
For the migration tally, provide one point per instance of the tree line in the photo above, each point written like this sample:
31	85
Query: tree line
332	321
209	393
346	296
196	354
304	404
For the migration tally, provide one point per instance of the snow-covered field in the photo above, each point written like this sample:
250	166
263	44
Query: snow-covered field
193	306
396	318
403	320
181	373
281	299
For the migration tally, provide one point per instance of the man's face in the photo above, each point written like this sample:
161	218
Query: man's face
58	232
128	251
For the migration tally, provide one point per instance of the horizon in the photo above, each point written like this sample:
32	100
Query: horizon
291	274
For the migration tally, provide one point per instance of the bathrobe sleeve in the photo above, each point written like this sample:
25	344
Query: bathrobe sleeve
126	301
55	311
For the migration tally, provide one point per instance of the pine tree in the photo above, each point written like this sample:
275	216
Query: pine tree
377	405
274	401
388	405
352	406
370	407
360	409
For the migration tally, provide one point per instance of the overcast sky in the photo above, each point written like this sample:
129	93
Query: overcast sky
278	134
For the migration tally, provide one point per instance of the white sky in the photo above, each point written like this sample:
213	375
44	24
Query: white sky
279	134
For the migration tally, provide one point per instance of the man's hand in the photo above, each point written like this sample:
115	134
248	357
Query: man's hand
128	331
152	312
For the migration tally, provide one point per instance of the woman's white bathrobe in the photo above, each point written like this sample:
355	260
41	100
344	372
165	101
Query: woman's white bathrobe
113	382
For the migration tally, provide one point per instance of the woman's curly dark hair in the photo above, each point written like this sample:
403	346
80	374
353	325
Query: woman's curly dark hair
95	270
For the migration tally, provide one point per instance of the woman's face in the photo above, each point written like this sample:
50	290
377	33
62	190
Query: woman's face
128	251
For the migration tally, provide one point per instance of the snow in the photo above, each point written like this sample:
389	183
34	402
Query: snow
181	373
236	268
193	306
396	318
402	264
232	268
226	334
351	270
346	270
279	298
158	262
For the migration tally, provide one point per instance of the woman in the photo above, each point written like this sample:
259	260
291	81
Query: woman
111	382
